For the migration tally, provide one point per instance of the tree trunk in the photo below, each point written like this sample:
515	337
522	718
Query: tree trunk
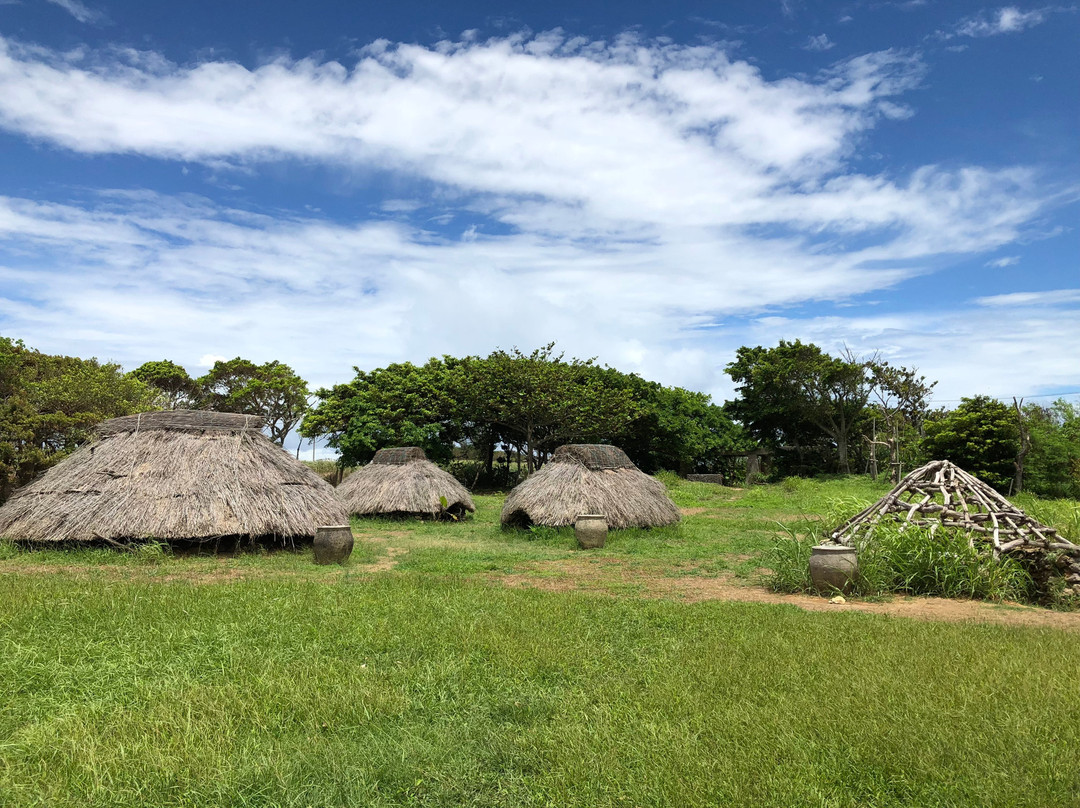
1025	447
894	454
873	453
842	449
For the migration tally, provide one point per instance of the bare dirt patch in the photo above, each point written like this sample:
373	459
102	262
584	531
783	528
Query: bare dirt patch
384	563
608	576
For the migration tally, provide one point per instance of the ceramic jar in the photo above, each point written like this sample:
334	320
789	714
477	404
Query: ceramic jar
333	544
833	567
591	530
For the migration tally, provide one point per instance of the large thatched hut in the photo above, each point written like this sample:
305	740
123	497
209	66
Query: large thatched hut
586	478
403	482
181	476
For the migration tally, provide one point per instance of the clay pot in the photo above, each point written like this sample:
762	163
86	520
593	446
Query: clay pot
591	530
833	567
333	544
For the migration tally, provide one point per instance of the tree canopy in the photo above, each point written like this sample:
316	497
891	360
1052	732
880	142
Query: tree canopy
532	402
981	436
272	390
540	400
176	389
400	405
50	404
792	392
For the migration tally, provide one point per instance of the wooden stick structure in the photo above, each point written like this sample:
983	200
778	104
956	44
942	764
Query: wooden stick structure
943	495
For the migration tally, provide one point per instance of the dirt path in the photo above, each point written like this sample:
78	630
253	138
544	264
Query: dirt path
614	578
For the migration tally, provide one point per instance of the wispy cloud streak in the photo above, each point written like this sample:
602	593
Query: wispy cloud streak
79	11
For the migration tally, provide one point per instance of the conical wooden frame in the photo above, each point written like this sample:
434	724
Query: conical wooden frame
941	494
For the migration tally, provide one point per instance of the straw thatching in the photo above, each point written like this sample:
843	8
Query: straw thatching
402	482
589	479
183	476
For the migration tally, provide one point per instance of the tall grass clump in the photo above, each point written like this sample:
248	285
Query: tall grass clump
670	479
1061	514
907	560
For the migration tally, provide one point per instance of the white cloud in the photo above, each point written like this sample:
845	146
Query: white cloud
79	11
505	116
821	42
648	195
1004	261
1056	297
209	360
1006	20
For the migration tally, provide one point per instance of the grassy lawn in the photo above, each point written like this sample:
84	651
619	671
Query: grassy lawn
413	677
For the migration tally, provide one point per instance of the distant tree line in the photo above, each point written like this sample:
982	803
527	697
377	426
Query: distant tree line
524	406
509	410
823	414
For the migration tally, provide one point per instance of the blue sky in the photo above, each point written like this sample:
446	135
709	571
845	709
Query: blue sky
339	184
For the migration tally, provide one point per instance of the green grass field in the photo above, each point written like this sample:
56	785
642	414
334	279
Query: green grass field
415	676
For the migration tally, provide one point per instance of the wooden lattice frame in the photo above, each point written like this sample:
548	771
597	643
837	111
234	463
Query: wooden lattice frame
941	494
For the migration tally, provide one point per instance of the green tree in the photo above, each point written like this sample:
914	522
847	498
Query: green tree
980	436
1052	467
50	405
899	410
539	400
795	392
400	405
272	390
675	429
177	390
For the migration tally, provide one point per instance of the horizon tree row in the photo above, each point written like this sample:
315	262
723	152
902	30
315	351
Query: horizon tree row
816	412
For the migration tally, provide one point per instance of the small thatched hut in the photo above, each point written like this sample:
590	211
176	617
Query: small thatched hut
586	478
403	482
181	476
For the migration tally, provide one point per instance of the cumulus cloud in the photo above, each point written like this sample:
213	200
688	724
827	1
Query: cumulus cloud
645	195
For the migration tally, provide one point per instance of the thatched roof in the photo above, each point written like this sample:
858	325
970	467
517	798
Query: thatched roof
175	476
398	456
590	479
403	482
